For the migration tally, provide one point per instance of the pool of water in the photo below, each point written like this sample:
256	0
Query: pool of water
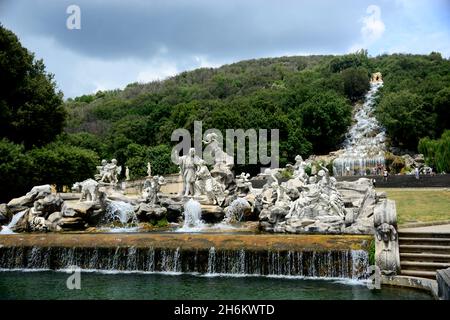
96	285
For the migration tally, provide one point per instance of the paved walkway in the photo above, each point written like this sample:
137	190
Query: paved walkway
443	228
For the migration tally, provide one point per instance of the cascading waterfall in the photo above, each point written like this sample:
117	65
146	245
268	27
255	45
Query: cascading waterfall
8	229
364	146
350	264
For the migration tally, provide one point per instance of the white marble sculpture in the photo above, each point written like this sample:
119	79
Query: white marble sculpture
151	189
108	172
149	169
188	169
127	174
88	188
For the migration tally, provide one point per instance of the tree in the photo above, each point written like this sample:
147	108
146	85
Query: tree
14	170
31	112
160	158
404	116
325	119
441	105
62	165
356	82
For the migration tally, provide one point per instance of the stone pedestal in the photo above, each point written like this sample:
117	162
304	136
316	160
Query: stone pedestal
387	255
443	280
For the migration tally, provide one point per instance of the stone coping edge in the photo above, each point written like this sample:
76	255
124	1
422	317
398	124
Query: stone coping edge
422	224
429	285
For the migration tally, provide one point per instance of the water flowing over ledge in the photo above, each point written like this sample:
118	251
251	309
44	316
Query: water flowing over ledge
364	146
300	255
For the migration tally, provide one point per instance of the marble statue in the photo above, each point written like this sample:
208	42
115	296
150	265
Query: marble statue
108	172
127	174
207	185
387	254
223	163
236	210
299	169
188	168
151	189
101	170
88	188
243	184
149	169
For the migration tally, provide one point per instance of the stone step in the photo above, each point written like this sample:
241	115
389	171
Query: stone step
419	273
423	266
425	257
412	234
425	241
404	248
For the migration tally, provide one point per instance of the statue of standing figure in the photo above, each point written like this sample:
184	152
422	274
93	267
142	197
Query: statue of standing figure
188	169
149	169
127	174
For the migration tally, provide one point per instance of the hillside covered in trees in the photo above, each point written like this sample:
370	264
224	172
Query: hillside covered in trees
308	98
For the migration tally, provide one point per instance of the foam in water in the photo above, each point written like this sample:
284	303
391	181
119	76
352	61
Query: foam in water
364	146
8	229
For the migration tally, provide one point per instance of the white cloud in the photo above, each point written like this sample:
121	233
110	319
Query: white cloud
157	69
372	29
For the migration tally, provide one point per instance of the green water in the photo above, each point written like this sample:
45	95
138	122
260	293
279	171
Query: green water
94	285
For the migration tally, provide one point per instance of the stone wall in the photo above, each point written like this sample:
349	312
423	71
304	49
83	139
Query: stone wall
406	181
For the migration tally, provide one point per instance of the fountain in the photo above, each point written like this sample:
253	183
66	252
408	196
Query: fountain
364	146
228	220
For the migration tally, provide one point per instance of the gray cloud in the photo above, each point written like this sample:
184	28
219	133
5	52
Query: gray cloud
139	40
113	29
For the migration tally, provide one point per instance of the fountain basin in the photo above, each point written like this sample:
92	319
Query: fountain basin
324	256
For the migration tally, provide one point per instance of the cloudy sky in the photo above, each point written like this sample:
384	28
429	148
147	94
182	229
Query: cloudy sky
136	40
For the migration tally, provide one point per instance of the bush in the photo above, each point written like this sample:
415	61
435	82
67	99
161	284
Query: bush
62	165
437	152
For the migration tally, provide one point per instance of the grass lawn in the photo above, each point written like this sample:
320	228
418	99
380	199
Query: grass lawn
420	205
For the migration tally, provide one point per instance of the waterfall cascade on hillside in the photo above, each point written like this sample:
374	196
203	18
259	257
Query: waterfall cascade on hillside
350	264
364	146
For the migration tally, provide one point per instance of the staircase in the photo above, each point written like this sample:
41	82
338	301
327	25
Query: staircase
422	253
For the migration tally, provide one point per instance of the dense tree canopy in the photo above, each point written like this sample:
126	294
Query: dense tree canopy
31	111
415	99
